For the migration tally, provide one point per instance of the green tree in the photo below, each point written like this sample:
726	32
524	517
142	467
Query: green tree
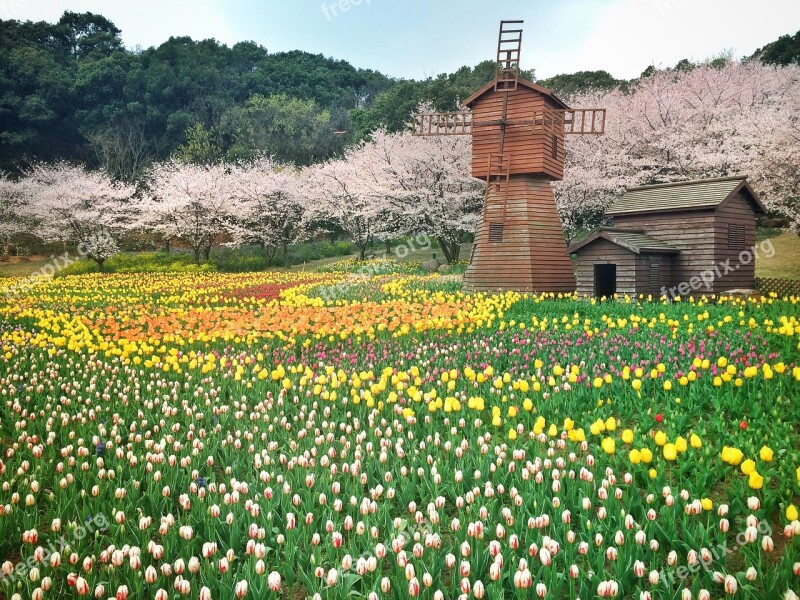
567	85
88	34
201	146
783	51
288	129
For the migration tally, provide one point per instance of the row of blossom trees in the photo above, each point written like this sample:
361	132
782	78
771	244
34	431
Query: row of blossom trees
743	118
392	185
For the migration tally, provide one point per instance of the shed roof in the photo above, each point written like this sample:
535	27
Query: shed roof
635	241
524	83
699	194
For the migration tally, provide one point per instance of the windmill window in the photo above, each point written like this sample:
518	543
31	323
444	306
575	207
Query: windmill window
495	232
554	146
736	237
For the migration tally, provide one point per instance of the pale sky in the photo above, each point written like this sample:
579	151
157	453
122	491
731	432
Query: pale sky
418	38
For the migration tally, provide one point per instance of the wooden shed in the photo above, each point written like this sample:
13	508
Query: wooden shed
685	238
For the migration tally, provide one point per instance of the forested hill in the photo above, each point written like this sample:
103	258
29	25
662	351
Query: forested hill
71	90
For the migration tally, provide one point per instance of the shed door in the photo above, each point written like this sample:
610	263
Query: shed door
605	280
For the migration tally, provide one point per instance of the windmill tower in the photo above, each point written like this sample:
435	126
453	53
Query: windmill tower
518	130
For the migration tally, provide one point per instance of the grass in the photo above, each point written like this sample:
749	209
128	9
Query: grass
22	267
785	262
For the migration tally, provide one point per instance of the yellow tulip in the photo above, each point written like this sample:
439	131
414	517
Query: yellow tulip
670	452
647	455
609	446
791	513
635	456
766	453
579	435
756	481
627	436
707	503
695	441
680	444
661	438
732	456
512	434
748	466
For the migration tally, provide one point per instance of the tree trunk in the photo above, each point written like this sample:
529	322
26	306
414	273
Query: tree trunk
196	252
445	249
362	250
270	254
167	242
207	253
455	252
285	255
100	262
388	247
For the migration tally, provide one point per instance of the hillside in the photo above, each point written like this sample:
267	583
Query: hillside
71	91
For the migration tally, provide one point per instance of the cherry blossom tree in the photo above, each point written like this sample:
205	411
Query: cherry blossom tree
778	174
340	192
72	204
189	202
428	183
12	213
269	210
708	121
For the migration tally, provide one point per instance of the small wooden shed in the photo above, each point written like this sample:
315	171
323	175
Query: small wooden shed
674	239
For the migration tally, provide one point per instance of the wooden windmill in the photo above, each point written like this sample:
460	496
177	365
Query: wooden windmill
518	130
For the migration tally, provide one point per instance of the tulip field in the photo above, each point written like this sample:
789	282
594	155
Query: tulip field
318	435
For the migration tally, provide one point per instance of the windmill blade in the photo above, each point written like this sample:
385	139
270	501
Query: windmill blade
443	123
585	121
569	121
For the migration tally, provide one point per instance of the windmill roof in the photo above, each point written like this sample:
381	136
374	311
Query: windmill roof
699	194
523	82
635	241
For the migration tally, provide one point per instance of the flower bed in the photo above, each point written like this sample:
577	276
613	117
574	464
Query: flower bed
219	436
